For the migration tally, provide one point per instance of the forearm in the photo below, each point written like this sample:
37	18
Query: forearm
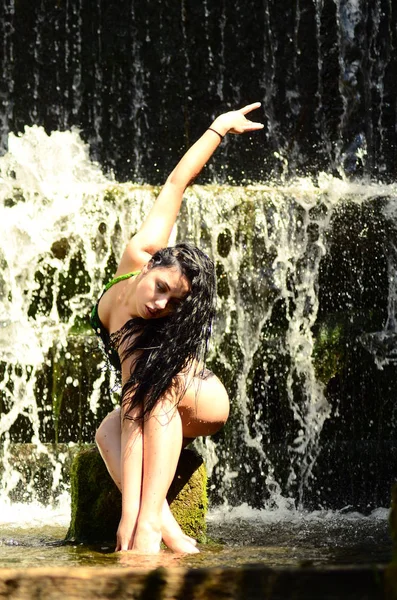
156	229
198	155
192	163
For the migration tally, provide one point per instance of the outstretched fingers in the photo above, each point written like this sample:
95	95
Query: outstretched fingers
248	125
240	124
252	126
249	107
235	121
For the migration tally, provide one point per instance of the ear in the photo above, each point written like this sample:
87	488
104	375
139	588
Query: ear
147	267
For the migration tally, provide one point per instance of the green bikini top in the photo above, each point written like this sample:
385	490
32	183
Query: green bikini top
117	279
101	330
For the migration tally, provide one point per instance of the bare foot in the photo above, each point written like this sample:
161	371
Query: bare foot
179	543
171	529
147	539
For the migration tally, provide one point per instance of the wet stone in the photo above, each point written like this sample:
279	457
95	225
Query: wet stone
253	582
96	501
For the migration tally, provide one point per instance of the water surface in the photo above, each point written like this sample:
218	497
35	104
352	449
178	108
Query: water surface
34	537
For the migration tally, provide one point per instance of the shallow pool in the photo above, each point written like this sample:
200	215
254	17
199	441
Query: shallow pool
32	536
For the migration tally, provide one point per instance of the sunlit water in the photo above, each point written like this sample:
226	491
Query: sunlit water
32	536
63	222
50	191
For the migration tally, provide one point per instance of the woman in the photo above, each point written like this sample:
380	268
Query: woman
155	319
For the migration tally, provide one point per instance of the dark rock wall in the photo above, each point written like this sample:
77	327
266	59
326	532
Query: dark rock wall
352	460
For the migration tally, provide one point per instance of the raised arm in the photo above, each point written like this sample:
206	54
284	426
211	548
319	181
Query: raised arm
156	229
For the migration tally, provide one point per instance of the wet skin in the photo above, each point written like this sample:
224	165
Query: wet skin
153	293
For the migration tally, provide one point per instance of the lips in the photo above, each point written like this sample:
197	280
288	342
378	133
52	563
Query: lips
151	312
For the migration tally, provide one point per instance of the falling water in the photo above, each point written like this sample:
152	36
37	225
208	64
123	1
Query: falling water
133	75
305	337
56	244
63	227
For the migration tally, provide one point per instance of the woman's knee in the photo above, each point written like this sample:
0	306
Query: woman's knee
109	429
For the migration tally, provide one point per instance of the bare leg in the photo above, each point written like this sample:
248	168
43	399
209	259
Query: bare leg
122	452
108	439
203	410
173	536
162	444
131	467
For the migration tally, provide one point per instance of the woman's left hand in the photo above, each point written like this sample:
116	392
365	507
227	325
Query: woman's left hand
125	536
236	122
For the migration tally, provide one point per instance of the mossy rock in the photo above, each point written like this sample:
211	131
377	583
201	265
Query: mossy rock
96	501
329	351
187	495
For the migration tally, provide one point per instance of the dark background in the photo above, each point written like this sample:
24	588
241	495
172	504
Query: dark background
142	80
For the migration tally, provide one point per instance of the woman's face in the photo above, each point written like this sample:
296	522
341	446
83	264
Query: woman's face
159	291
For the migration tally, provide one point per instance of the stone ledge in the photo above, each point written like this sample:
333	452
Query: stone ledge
249	582
36	470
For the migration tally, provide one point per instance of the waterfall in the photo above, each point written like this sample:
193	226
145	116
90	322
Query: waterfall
63	227
141	81
97	102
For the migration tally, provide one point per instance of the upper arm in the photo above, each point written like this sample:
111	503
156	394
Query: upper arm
155	231
134	258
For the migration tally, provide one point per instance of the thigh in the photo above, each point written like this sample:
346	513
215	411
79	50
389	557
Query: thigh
204	409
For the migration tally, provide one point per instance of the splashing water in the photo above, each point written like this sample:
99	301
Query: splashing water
49	216
63	225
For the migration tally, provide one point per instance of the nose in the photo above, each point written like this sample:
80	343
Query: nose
161	303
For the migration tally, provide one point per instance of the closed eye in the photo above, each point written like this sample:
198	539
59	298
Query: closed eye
161	287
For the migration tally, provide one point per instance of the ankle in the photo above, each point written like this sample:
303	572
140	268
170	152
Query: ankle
149	525
147	538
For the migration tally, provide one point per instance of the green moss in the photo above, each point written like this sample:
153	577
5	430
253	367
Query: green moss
96	501
191	504
81	326
328	352
113	194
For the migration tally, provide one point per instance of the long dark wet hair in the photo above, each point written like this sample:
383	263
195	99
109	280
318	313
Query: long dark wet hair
165	347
